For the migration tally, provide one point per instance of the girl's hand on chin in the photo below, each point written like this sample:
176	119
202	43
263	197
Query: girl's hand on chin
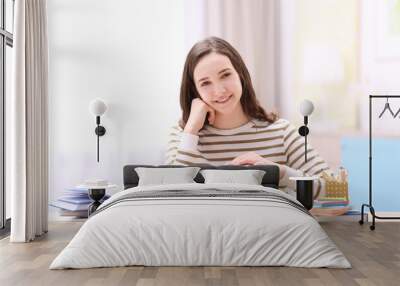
198	112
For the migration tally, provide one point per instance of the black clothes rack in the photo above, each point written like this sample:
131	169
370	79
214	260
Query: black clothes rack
369	205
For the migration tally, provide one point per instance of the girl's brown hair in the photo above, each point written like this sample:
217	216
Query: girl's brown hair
250	104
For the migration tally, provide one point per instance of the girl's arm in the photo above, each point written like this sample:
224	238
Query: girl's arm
182	148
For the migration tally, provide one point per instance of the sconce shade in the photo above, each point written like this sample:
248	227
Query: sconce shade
306	107
97	107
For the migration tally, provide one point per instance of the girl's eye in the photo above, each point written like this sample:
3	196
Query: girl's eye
204	83
226	74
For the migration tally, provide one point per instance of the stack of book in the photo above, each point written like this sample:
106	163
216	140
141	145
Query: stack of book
74	202
330	206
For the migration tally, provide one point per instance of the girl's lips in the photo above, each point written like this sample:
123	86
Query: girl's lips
226	99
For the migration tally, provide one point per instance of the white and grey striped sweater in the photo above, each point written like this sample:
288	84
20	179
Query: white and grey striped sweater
278	142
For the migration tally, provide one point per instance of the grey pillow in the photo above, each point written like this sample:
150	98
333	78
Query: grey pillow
248	177
162	176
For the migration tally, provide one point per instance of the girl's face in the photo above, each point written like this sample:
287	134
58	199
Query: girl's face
218	83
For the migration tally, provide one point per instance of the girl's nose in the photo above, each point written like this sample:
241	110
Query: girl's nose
220	89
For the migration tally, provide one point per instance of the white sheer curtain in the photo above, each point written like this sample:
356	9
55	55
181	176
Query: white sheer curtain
251	26
28	122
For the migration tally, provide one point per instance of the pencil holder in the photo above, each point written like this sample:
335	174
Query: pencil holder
337	190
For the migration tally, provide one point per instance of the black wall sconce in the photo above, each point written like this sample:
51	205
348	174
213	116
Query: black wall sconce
97	107
306	108
304	184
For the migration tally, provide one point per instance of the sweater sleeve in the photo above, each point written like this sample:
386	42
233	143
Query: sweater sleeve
296	164
183	148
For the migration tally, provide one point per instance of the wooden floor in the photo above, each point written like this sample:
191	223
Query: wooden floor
375	256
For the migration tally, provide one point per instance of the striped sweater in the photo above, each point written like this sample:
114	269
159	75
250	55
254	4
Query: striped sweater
278	142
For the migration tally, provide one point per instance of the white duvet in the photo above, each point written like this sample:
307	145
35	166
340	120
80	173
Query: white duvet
183	231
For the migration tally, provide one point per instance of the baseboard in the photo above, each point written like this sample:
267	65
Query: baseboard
385	214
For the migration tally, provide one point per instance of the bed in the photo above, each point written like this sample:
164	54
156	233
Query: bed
201	224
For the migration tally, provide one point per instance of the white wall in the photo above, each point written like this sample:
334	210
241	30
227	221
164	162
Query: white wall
129	53
379	68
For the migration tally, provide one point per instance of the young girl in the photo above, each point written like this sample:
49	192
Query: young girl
223	123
